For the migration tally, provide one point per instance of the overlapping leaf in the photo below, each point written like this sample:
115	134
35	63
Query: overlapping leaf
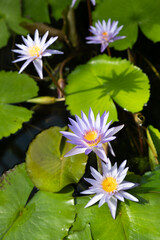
103	81
133	221
14	88
132	14
10	19
46	164
45	216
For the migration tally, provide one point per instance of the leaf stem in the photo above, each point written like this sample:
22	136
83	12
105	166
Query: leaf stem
53	79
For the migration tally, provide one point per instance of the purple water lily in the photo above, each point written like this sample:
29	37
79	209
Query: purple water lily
105	33
34	50
90	134
110	186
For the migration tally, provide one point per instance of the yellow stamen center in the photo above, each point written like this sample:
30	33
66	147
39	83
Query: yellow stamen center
105	35
91	137
34	51
109	184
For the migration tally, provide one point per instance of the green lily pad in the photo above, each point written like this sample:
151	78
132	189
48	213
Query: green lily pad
103	81
133	221
46	164
38	12
131	14
84	234
10	18
46	216
14	88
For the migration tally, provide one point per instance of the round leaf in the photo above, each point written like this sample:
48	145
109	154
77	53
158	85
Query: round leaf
103	81
131	14
14	88
47	166
15	188
132	220
46	216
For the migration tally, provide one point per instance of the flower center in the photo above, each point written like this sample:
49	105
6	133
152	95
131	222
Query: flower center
34	51
91	137
109	184
105	36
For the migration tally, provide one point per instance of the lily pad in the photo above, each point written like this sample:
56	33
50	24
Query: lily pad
14	88
10	19
46	216
103	81
131	14
46	164
133	221
38	12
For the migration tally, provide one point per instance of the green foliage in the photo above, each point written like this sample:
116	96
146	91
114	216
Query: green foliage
46	216
14	88
132	14
46	164
10	19
133	221
58	7
155	134
36	10
103	81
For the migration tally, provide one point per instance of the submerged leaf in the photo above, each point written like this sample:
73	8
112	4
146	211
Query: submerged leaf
103	81
47	166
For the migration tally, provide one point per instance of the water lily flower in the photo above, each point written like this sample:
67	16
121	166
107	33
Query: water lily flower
34	50
90	134
74	1
110	186
105	33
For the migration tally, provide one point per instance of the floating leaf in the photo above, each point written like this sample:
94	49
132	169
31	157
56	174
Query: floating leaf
46	216
14	88
84	234
133	220
38	12
47	166
10	19
103	81
131	14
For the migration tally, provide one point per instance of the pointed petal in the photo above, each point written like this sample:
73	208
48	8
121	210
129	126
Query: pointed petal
119	196
129	196
38	66
112	204
126	185
25	65
44	38
75	151
101	154
91	118
102	201
96	174
97	123
95	199
111	149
